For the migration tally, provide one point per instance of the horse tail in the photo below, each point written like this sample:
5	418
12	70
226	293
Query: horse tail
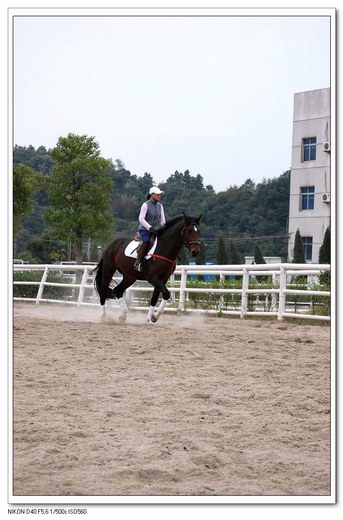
98	277
101	282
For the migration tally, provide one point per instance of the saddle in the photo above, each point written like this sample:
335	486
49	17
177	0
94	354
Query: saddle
131	248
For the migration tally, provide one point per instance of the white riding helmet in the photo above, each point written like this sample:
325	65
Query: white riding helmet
156	190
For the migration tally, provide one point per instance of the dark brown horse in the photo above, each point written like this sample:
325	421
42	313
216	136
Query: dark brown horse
157	267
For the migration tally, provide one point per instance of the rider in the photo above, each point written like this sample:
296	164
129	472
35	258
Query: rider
151	217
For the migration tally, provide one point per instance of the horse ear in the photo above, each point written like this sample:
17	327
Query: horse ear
199	218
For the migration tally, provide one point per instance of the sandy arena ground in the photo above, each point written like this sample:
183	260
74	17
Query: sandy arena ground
189	406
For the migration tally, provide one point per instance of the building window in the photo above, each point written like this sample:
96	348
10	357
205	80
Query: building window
307	197
307	243
309	149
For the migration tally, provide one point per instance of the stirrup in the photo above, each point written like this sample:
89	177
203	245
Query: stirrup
138	267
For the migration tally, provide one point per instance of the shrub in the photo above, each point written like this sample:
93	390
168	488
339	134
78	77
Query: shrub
30	291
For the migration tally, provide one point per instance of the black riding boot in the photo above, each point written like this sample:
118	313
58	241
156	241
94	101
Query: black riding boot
142	250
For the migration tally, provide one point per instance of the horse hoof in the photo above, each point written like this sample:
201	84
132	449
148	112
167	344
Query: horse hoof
122	318
152	319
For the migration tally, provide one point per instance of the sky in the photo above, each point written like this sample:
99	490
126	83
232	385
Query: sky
212	95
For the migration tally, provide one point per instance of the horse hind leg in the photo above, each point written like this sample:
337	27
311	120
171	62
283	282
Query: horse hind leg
104	290
119	294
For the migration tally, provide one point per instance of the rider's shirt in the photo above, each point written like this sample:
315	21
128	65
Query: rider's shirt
151	214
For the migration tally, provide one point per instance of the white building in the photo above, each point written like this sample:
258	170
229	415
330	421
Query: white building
309	203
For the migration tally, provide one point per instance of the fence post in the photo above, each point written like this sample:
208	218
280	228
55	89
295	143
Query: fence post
82	286
245	286
41	285
273	306
282	295
221	297
183	285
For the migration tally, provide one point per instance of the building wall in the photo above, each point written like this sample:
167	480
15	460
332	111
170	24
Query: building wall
311	118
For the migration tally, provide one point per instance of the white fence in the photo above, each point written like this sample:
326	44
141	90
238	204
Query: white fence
181	288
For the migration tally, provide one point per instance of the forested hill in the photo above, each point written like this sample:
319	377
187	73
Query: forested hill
241	215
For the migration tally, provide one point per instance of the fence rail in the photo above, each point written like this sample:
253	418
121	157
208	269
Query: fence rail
182	290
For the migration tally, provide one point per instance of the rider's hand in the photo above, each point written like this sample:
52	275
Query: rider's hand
152	229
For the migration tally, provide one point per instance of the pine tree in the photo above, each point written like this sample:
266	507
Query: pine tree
222	257
324	251
325	257
298	251
234	258
258	257
201	258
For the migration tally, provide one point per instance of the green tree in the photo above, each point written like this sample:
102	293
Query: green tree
46	248
259	259
325	256
24	186
184	193
79	191
245	213
248	212
39	160
222	256
258	256
234	258
324	251
298	251
201	258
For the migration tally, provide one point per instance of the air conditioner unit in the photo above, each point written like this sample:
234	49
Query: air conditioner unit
327	147
326	198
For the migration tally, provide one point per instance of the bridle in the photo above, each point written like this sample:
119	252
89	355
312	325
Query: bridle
184	242
190	242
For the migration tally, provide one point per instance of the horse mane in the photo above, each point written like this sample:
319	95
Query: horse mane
173	221
168	224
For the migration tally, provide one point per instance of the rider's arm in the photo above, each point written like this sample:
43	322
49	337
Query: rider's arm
142	214
162	217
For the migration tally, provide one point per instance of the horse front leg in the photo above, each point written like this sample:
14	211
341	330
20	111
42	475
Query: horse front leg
159	288
151	317
104	290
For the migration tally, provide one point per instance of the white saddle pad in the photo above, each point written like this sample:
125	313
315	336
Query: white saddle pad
131	249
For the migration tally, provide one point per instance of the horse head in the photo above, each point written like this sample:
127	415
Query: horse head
191	233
